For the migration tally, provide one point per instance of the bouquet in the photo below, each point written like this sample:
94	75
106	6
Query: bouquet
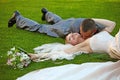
18	58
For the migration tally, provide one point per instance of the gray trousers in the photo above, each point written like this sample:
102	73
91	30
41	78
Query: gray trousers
60	28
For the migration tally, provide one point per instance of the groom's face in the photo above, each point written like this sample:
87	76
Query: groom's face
86	34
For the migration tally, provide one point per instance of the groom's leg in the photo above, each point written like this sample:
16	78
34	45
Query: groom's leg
22	22
31	25
50	17
27	24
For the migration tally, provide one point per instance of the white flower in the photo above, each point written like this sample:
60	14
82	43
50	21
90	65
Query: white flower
9	62
9	53
12	59
14	55
20	65
18	54
12	49
24	56
21	59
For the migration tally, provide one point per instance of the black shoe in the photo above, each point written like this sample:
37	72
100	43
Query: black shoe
44	11
12	20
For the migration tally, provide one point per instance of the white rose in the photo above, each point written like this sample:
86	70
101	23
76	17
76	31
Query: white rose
21	59
9	53
12	59
25	56
18	54
12	49
20	65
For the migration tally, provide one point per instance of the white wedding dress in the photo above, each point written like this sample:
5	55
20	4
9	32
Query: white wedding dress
85	71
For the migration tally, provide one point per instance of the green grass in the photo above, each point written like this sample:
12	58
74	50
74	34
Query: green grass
9	37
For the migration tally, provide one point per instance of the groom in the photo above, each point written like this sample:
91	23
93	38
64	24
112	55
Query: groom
61	28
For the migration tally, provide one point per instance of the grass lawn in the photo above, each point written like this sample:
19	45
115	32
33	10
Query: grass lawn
9	37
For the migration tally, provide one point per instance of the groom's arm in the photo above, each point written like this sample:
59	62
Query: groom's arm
109	25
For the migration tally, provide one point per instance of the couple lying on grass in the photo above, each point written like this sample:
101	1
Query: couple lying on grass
77	32
85	42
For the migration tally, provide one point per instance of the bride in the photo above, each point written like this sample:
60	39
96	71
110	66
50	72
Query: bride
56	50
101	42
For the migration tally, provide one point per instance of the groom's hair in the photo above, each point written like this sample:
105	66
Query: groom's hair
88	24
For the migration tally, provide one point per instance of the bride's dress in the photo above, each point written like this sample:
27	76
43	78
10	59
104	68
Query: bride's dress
85	71
54	51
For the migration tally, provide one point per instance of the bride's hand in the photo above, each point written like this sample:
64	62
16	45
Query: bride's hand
32	56
68	51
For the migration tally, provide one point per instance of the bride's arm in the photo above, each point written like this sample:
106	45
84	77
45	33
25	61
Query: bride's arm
84	46
109	25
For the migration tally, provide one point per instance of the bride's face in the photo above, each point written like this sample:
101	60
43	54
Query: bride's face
74	38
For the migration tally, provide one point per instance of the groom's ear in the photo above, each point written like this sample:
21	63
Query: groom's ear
94	31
